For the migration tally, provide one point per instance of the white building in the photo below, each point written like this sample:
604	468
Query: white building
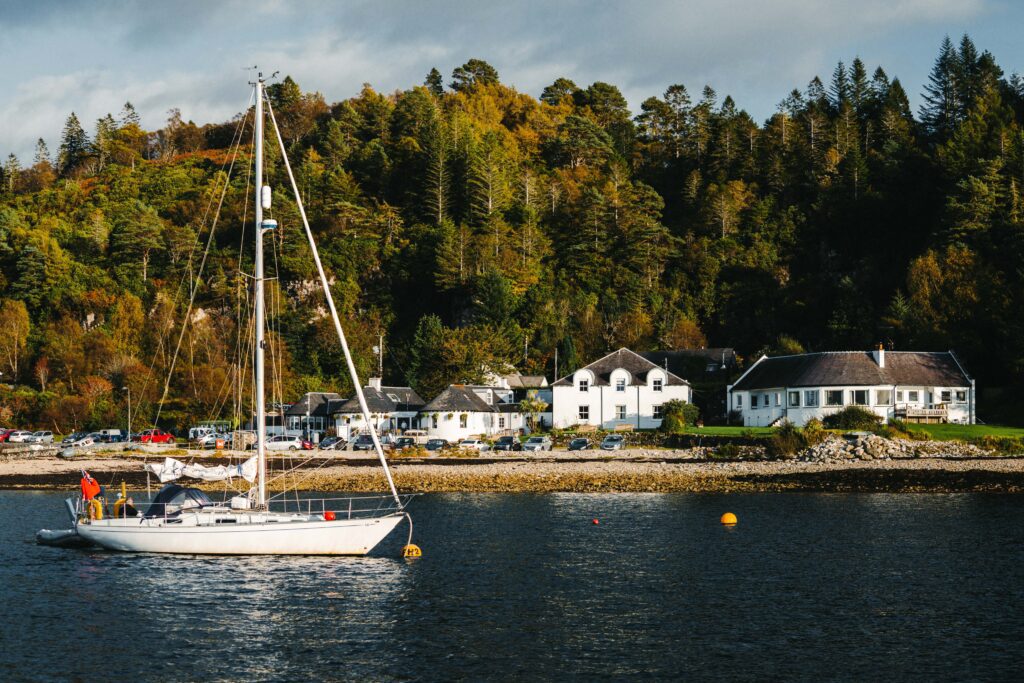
907	385
462	411
392	410
621	389
310	414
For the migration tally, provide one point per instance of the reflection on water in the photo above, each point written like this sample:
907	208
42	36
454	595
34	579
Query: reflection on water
807	586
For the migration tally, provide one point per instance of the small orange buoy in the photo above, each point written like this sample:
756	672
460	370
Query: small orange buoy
329	515
411	550
729	519
595	521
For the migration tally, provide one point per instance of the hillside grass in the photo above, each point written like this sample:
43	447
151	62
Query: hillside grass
951	432
730	430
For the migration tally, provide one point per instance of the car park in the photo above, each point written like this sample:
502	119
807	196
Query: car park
508	443
437	445
580	444
42	436
537	443
475	444
211	439
18	436
613	442
112	436
156	436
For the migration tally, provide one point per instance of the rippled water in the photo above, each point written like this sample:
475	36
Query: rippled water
865	587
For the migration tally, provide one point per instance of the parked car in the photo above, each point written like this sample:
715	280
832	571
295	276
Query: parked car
537	443
363	442
78	439
475	444
580	444
613	442
42	436
156	436
332	443
437	445
403	442
4	434
210	440
113	436
18	436
508	443
282	442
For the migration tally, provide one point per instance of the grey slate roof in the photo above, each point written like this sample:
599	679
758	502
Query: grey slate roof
635	364
855	368
458	398
318	404
682	358
517	381
379	401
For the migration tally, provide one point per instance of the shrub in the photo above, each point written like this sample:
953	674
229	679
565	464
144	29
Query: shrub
786	440
677	415
853	417
814	432
729	451
1001	445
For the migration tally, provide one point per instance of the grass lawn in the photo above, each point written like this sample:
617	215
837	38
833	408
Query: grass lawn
965	432
729	430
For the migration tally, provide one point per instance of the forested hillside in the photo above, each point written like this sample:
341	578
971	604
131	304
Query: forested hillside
473	225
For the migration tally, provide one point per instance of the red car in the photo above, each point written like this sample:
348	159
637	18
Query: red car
4	433
156	436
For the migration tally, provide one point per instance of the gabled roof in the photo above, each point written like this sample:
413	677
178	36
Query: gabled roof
517	381
461	398
313	402
855	368
382	400
633	363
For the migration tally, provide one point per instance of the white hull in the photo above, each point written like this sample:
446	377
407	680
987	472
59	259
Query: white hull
287	536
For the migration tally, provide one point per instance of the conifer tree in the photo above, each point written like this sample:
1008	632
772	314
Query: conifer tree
74	145
839	91
472	73
434	82
42	155
561	89
128	115
941	104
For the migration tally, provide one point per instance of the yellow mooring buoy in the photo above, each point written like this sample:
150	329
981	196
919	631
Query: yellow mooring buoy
729	519
411	550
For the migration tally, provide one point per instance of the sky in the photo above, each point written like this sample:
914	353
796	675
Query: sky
60	56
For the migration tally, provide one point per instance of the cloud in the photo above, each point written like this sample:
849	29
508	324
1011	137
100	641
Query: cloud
91	57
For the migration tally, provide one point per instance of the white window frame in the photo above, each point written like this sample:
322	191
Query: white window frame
620	412
620	385
778	399
899	396
811	398
878	399
656	411
853	397
793	399
961	396
501	422
830	393
657	383
584	385
913	396
583	412
946	396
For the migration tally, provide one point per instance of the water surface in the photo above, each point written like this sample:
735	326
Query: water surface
807	586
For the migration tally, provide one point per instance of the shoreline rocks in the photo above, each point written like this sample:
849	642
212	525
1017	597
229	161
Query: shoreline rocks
872	447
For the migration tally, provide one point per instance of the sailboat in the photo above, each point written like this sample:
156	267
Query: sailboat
185	520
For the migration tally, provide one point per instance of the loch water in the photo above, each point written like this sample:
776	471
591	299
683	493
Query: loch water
527	587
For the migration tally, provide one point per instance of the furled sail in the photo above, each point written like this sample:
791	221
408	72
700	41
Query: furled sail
172	469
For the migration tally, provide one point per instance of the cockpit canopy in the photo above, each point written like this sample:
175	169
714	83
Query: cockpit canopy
173	498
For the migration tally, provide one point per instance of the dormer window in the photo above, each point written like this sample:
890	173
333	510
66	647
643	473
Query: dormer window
657	383
394	397
620	384
584	385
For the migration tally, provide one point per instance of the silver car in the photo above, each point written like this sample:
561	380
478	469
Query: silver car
43	436
613	442
537	443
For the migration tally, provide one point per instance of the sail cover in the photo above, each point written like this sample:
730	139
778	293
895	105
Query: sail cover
171	469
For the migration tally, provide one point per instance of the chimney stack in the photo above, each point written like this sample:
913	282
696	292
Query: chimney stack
375	383
879	355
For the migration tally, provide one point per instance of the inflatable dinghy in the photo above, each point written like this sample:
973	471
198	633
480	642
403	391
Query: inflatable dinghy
62	538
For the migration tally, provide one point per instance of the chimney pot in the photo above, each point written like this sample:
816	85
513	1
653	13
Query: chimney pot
375	383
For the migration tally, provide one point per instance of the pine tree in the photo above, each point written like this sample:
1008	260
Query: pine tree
42	155
437	178
74	145
558	91
860	90
941	106
12	173
128	115
434	82
839	91
472	73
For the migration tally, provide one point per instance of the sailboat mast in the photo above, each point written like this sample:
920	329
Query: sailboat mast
260	370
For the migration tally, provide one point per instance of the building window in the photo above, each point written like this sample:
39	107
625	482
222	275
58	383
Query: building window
433	421
834	397
656	384
501	422
778	399
811	398
584	412
899	396
913	396
463	420
739	400
883	397
620	384
860	397
584	385
961	396
947	396
753	400
620	412
657	411
794	399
